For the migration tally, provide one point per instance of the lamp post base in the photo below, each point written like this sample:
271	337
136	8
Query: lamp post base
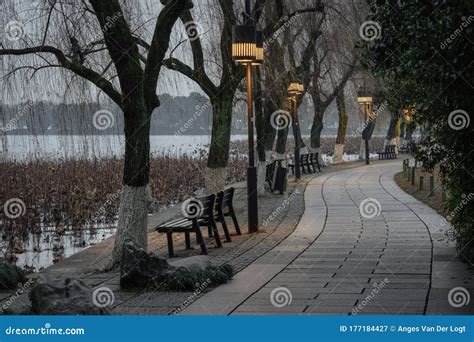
252	199
367	152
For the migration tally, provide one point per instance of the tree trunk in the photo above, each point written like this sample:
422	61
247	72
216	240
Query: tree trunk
410	128
220	142
342	128
393	131
316	130
136	197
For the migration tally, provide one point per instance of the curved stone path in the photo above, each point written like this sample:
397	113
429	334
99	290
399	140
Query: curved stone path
363	246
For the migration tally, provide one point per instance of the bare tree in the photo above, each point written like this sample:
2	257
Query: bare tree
221	86
99	42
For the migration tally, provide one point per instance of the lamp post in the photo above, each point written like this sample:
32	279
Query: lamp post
294	90
247	49
366	101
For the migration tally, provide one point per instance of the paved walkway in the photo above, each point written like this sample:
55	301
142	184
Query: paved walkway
363	246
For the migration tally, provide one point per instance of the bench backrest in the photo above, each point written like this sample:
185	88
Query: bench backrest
304	158
206	204
224	199
391	148
314	156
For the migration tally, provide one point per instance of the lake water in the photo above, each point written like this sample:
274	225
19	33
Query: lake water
22	147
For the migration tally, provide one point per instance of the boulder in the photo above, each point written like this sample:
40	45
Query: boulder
65	297
141	269
191	264
11	276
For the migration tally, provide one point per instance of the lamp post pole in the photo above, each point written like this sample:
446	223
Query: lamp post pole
252	200
367	154
251	170
296	133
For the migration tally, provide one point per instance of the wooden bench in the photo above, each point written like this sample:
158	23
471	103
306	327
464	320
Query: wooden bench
388	153
192	224
225	208
308	163
408	148
314	161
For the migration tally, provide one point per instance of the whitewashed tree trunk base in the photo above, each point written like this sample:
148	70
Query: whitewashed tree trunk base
338	154
262	171
362	150
133	219
215	179
280	156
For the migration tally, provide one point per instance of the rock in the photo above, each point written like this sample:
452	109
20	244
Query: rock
192	264
141	268
65	297
11	276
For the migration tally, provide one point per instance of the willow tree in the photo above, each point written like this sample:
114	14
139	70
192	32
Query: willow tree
341	129
221	78
95	41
